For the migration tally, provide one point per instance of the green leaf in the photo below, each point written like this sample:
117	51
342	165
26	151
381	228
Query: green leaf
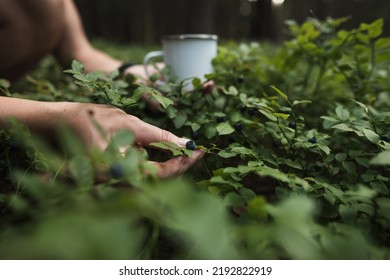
324	148
195	127
382	158
231	91
77	66
164	101
233	199
224	128
380	187
342	113
210	131
342	127
349	166
297	102
361	105
371	135
196	82
293	164
341	157
374	29
268	114
278	91
382	43
180	120
281	115
227	154
257	207
123	138
81	169
4	83
81	77
168	146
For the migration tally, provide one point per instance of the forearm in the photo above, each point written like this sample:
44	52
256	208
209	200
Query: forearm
38	116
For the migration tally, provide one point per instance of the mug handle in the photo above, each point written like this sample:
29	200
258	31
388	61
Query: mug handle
148	57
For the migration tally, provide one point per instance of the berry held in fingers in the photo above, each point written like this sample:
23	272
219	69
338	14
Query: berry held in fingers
191	145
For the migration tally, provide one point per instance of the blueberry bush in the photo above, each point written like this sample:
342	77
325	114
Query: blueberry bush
297	164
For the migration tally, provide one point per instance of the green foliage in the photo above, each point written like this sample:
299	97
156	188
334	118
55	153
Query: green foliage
296	166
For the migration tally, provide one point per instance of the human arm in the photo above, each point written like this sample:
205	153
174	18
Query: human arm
74	44
43	117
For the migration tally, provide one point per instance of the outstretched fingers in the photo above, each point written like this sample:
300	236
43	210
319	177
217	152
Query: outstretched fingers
177	165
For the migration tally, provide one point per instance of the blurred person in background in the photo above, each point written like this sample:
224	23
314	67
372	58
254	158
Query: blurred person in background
32	29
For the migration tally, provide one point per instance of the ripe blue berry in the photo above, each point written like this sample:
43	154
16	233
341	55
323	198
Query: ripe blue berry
238	126
292	125
117	171
190	145
312	140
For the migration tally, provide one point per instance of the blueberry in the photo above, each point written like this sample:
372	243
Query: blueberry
117	171
190	145
312	140
238	126
385	138
292	125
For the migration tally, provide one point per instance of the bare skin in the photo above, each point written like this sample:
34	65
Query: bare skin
30	30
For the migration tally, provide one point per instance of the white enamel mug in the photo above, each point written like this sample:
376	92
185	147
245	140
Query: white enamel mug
188	56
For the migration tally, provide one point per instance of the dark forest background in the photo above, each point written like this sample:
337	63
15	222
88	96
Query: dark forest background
145	21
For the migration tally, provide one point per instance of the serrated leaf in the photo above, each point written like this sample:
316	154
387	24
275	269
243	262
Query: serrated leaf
77	66
81	77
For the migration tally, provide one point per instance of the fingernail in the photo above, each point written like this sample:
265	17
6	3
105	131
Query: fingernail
199	153
183	141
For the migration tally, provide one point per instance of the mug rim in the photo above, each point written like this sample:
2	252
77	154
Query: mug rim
191	37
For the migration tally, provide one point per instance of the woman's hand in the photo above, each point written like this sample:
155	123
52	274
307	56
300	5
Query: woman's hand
84	117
